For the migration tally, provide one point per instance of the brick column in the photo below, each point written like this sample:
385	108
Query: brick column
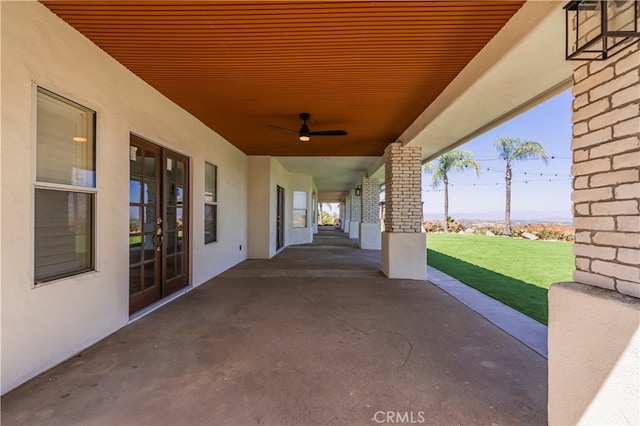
594	345
356	207
347	213
370	234
404	252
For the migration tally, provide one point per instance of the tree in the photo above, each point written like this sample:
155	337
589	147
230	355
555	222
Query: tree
453	161
510	150
328	219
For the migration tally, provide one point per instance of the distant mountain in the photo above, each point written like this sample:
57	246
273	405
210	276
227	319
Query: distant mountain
516	216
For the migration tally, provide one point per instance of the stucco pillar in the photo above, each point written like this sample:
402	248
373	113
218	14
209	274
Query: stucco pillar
370	235
594	337
354	225
404	248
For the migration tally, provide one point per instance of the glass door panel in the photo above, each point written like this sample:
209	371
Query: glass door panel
176	192
144	259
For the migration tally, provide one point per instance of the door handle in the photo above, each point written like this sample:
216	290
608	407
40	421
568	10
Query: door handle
158	237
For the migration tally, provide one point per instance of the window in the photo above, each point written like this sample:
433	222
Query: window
64	188
210	203
299	209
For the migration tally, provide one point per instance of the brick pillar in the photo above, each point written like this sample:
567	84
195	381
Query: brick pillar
404	252
594	343
356	207
347	213
370	235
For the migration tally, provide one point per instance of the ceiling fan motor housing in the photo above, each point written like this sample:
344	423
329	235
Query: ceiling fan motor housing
304	116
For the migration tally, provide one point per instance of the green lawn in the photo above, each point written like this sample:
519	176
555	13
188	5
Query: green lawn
515	271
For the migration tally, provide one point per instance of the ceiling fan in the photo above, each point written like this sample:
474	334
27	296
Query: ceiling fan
304	133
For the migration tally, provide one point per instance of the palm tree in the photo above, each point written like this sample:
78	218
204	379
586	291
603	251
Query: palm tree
515	149
453	161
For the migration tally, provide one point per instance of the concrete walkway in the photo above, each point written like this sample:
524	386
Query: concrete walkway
526	329
315	335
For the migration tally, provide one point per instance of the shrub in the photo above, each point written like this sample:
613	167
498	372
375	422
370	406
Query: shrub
544	231
436	225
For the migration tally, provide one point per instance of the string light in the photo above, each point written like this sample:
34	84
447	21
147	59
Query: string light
551	157
514	173
452	185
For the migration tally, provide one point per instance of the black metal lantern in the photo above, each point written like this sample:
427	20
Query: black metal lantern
598	29
358	190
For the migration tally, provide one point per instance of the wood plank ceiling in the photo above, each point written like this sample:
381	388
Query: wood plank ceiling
366	67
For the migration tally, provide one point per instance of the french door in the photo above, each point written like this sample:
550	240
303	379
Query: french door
158	223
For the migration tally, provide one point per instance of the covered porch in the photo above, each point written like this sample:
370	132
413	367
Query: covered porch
315	335
149	146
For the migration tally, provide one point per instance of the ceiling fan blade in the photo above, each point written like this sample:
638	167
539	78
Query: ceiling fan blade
328	133
282	129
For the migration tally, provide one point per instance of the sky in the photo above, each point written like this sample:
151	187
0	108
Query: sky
538	191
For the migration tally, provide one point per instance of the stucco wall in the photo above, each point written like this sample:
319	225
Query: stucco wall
43	326
594	354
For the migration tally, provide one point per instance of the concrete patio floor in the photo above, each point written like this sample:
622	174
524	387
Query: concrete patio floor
316	335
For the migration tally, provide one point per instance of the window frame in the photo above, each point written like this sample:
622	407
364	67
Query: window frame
91	191
212	203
